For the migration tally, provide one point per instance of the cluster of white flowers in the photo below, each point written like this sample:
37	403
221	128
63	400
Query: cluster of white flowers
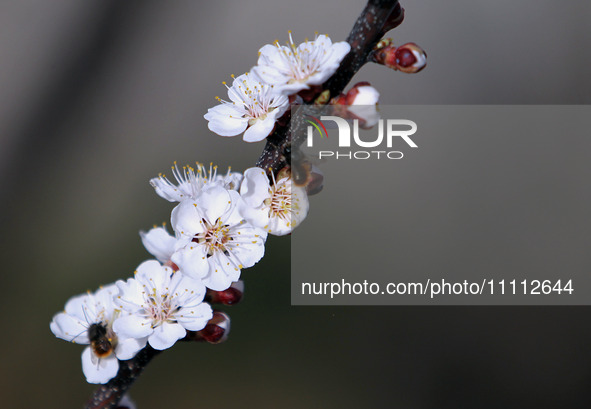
220	226
220	221
259	98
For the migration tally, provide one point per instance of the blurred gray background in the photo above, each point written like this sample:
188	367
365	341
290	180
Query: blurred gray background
99	96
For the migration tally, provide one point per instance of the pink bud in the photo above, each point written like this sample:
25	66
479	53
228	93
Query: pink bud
217	329
408	58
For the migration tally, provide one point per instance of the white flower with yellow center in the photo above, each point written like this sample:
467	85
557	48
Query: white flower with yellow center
214	242
292	68
190	180
253	109
276	207
162	305
88	320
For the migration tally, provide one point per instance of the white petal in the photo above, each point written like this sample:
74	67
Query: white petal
232	181
100	372
192	260
152	274
221	276
103	298
165	335
215	201
130	297
251	248
132	326
187	290
194	318
226	121
167	190
186	218
82	307
292	87
258	217
259	130
70	328
127	348
299	205
159	243
255	187
268	74
278	226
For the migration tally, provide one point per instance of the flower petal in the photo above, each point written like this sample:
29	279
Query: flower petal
226	120
192	260
165	335
159	243
194	318
186	218
255	187
132	326
69	328
214	202
100	372
127	348
259	130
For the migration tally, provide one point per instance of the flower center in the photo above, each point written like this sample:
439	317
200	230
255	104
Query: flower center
215	236
280	201
303	61
160	308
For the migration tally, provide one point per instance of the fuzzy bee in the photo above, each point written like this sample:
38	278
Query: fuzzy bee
101	344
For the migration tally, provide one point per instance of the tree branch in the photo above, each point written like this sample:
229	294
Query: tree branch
378	17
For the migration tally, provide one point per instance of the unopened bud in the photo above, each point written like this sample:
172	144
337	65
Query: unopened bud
411	58
408	58
229	296
359	103
217	329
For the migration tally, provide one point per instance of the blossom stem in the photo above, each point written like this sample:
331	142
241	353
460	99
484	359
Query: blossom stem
378	17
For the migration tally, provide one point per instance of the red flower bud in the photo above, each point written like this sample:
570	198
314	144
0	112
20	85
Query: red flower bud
408	58
217	329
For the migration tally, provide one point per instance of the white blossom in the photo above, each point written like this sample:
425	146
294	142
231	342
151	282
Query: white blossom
214	242
278	207
88	320
253	109
190	180
294	68
162	305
